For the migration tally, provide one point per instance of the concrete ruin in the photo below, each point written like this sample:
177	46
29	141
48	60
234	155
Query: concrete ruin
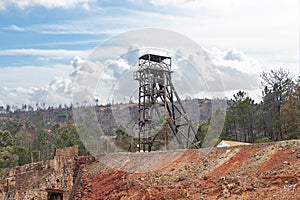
50	179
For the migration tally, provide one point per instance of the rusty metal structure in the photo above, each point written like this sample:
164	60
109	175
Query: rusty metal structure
159	101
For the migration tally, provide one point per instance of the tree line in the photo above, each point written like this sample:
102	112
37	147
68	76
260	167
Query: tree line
27	136
22	142
276	117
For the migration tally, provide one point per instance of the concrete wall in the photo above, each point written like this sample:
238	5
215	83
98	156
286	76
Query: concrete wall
67	152
37	180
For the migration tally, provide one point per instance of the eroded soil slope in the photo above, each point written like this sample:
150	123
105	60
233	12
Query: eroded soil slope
260	171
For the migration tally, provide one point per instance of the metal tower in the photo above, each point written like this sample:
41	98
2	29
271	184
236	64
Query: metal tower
158	99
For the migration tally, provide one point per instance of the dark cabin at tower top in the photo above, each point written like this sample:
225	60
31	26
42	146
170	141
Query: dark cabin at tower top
156	62
154	58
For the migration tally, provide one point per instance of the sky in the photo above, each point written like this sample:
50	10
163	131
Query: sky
43	43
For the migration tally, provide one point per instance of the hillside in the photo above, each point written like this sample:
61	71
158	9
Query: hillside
259	171
50	116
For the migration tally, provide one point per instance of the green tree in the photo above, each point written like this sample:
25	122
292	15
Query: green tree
162	137
23	155
202	131
123	140
209	132
6	139
66	136
277	85
239	122
8	158
291	114
11	155
13	126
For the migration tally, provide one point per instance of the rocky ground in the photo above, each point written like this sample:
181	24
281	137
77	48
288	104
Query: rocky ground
260	171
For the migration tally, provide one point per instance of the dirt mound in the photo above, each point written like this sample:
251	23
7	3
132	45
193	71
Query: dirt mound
259	171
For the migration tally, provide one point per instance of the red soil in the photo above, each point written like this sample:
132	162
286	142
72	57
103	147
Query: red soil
269	171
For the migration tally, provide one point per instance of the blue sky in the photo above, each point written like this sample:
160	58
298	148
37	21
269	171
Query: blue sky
39	39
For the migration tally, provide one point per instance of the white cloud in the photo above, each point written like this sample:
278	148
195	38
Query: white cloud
50	4
77	62
117	67
235	60
192	4
59	91
266	30
2	6
13	27
30	84
32	76
236	70
94	27
49	58
44	52
54	85
67	28
13	96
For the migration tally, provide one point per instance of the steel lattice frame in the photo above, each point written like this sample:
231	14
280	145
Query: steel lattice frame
156	95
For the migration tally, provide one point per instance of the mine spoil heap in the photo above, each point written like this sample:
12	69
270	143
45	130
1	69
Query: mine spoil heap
258	171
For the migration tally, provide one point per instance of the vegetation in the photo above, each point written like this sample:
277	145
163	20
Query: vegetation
276	117
23	142
10	154
29	134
